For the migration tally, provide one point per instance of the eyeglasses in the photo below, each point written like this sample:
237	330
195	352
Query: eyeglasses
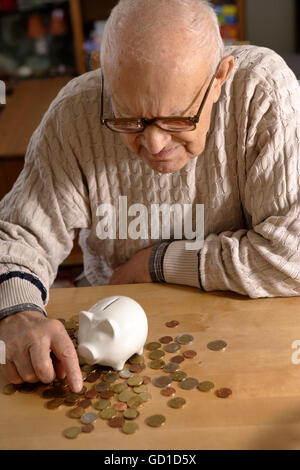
170	124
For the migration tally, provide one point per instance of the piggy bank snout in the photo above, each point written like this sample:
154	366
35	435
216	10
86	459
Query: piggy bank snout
88	352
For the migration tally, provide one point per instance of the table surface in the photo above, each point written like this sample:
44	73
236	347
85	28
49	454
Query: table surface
263	411
24	111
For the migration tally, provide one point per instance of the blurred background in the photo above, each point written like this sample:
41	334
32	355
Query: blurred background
44	44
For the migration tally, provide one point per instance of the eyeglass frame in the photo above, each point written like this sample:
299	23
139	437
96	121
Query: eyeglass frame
148	122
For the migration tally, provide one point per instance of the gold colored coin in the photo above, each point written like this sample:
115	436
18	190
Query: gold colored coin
135	380
83	390
102	386
124	396
130	428
136	359
48	393
184	339
131	413
101	404
76	412
55	403
152	346
217	345
156	421
9	389
157	354
189	383
118	388
72	433
72	398
134	402
205	386
178	375
157	364
177	402
108	413
162	381
140	389
145	396
111	377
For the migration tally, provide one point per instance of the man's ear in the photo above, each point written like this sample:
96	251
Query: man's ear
225	70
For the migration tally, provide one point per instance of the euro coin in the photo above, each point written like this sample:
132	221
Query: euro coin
157	364
168	392
87	428
171	367
136	368
162	381
172	323
135	380
124	396
145	396
116	422
106	394
155	421
72	432
92	393
223	392
130	413
54	404
118	388
189	383
177	359
217	345
136	359
157	354
172	347
108	413
146	380
166	339
76	413
130	428
184	339
85	403
72	399
101	404
125	374
88	418
178	375
120	406
111	377
152	346
177	402
140	389
134	402
189	354
101	386
205	386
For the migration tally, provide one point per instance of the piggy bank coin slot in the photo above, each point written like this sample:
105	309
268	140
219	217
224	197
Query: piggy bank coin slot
110	303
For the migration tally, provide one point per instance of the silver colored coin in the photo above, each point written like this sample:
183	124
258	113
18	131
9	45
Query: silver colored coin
125	374
162	381
171	367
189	383
172	347
184	339
88	418
217	345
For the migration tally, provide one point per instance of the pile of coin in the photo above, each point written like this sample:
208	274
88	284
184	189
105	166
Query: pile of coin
117	397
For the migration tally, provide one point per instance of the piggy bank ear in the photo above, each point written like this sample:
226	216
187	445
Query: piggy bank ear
85	318
110	327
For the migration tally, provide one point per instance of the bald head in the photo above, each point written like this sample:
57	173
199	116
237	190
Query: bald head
170	34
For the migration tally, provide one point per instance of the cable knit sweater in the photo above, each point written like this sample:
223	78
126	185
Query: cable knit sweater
247	178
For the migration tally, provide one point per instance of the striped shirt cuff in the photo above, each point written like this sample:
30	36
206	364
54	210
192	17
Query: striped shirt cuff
156	260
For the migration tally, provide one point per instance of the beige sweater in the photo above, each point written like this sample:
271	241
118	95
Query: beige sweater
247	178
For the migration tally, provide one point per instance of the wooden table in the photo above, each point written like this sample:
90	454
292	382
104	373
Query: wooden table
262	413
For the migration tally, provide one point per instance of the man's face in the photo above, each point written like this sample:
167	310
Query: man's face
154	91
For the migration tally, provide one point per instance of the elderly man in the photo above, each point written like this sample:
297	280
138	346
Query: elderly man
182	122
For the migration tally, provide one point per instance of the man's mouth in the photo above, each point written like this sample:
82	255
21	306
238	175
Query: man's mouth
163	154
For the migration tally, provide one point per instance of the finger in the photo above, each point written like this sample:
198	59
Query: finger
11	373
24	368
58	367
41	361
64	350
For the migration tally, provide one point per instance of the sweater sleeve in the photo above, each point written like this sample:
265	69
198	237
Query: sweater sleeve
40	215
262	259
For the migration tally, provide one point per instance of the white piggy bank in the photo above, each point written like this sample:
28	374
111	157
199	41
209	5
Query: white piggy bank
111	331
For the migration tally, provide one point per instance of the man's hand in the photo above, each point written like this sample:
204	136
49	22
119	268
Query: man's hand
29	339
133	271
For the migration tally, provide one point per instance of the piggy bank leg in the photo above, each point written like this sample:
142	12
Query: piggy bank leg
118	365
140	352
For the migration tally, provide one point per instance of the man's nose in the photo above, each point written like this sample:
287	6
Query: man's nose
155	139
